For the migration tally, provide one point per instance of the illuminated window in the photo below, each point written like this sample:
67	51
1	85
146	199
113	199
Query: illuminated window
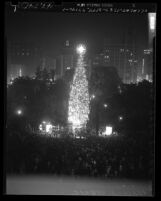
106	57
40	127
147	51
48	128
67	43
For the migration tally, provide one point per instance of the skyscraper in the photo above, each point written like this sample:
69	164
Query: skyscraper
122	57
68	59
65	60
25	56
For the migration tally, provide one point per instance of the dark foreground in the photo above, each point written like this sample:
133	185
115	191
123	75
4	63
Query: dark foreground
53	185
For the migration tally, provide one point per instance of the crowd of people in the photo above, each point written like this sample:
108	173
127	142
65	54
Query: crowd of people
114	156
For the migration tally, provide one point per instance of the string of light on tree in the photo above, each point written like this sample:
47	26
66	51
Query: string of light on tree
78	109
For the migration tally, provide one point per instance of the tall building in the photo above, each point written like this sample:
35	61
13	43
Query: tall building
24	57
123	58
48	62
67	59
152	28
147	64
122	55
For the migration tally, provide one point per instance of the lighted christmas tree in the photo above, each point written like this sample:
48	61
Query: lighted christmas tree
78	109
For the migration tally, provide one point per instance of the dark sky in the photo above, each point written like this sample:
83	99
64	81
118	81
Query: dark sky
50	29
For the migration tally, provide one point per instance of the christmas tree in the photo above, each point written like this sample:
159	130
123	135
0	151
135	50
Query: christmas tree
78	109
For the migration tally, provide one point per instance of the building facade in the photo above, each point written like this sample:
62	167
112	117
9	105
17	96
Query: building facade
124	59
68	60
145	71
22	59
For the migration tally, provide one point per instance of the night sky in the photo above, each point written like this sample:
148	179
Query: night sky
50	29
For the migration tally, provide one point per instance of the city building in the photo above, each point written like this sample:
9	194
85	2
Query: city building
145	72
124	59
68	59
65	60
22	59
151	28
146	64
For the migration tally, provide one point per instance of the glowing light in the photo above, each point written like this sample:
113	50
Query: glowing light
108	130
67	43
143	62
105	105
93	96
40	127
20	73
120	118
48	128
121	50
152	21
19	112
78	108
81	49
148	51
11	82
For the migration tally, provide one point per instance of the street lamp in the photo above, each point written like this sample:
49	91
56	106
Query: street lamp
105	105
93	96
19	112
120	118
81	49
